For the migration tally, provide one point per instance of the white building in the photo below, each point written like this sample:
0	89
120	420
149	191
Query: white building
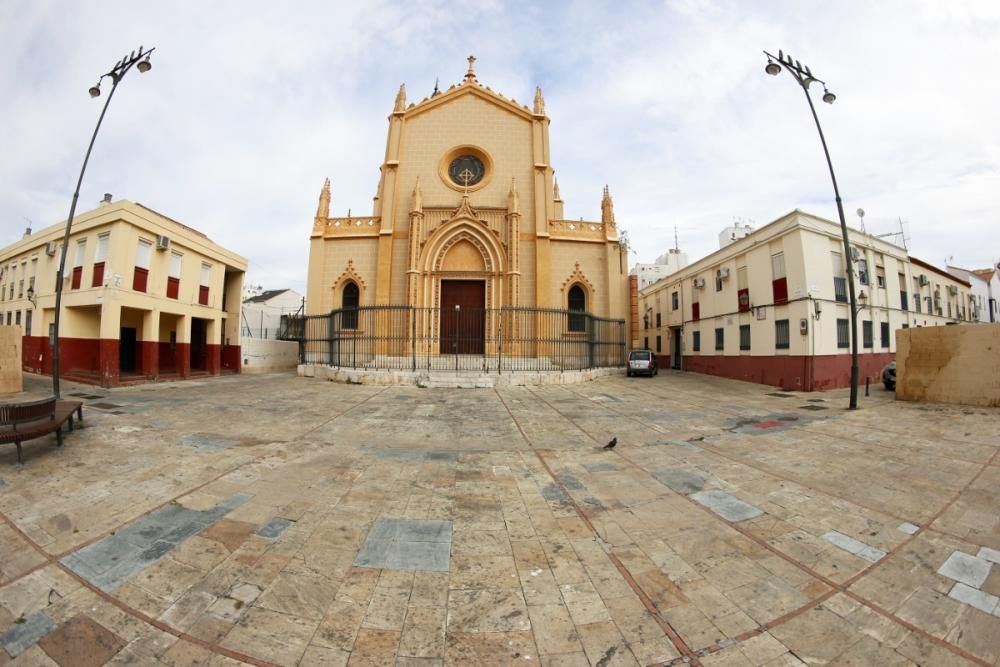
992	278
734	233
979	299
672	261
772	307
261	317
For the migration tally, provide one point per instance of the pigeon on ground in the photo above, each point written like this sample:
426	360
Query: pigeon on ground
611	445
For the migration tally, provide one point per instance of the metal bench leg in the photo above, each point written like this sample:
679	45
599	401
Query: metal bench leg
59	436
71	421
20	461
79	411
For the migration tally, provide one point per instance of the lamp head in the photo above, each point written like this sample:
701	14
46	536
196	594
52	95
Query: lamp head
772	68
828	97
95	90
144	65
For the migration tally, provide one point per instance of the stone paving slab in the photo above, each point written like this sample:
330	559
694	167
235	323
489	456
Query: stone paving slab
966	569
726	505
317	523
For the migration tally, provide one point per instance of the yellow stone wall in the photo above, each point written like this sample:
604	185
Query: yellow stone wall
949	364
514	140
10	360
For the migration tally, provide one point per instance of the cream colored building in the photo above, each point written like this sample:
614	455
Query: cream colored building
467	215
772	307
144	297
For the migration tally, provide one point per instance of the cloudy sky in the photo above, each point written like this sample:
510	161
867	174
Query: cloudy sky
250	105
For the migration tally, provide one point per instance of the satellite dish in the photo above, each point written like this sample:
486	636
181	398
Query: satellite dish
861	212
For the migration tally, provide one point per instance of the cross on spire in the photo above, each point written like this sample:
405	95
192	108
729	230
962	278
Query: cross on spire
471	74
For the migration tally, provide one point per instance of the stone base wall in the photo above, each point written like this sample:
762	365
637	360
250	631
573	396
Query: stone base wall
951	364
452	380
268	356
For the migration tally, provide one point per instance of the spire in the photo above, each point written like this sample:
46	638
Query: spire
555	189
418	199
323	210
539	102
607	208
677	245
513	200
437	90
400	99
470	76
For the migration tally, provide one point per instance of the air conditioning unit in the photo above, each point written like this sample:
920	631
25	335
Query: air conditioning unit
855	254
162	242
50	248
953	289
722	273
923	280
699	283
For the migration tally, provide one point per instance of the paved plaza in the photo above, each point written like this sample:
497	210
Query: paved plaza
290	521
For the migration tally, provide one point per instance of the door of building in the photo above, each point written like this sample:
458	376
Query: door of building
126	350
197	344
675	358
463	316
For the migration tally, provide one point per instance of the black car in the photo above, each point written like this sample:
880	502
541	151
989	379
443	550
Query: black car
641	362
889	376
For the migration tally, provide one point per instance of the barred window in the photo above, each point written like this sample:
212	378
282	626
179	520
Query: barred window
843	333
720	339
867	334
781	337
744	336
696	341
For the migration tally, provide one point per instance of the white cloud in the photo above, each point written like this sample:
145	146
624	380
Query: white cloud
250	105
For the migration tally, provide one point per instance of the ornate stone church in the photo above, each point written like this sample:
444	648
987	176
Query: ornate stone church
468	215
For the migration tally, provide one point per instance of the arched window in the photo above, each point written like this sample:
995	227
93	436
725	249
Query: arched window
349	303
577	305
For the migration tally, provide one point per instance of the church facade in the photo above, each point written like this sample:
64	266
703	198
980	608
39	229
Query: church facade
468	215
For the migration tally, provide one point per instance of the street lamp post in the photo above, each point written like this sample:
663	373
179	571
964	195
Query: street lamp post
141	60
804	77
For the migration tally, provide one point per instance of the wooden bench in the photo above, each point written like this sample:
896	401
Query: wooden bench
25	421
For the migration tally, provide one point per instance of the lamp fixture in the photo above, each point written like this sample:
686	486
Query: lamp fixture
95	90
772	68
31	295
828	97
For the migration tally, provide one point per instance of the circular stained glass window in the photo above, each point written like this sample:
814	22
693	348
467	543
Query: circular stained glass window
466	170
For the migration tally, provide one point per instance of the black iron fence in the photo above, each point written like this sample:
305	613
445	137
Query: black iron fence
471	339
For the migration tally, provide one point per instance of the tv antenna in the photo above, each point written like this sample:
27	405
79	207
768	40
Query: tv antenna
901	235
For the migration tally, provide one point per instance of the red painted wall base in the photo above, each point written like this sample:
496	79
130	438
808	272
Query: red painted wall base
798	373
97	361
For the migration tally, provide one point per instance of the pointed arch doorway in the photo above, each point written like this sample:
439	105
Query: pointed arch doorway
463	316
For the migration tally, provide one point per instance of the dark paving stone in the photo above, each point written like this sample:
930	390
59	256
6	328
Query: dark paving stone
726	505
680	481
448	457
553	493
201	443
106	553
407	544
601	467
90	397
571	482
274	528
812	407
81	395
103	406
81	642
23	636
780	395
183	531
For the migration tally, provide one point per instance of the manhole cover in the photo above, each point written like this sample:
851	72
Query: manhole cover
780	395
812	407
90	397
817	400
104	406
80	395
